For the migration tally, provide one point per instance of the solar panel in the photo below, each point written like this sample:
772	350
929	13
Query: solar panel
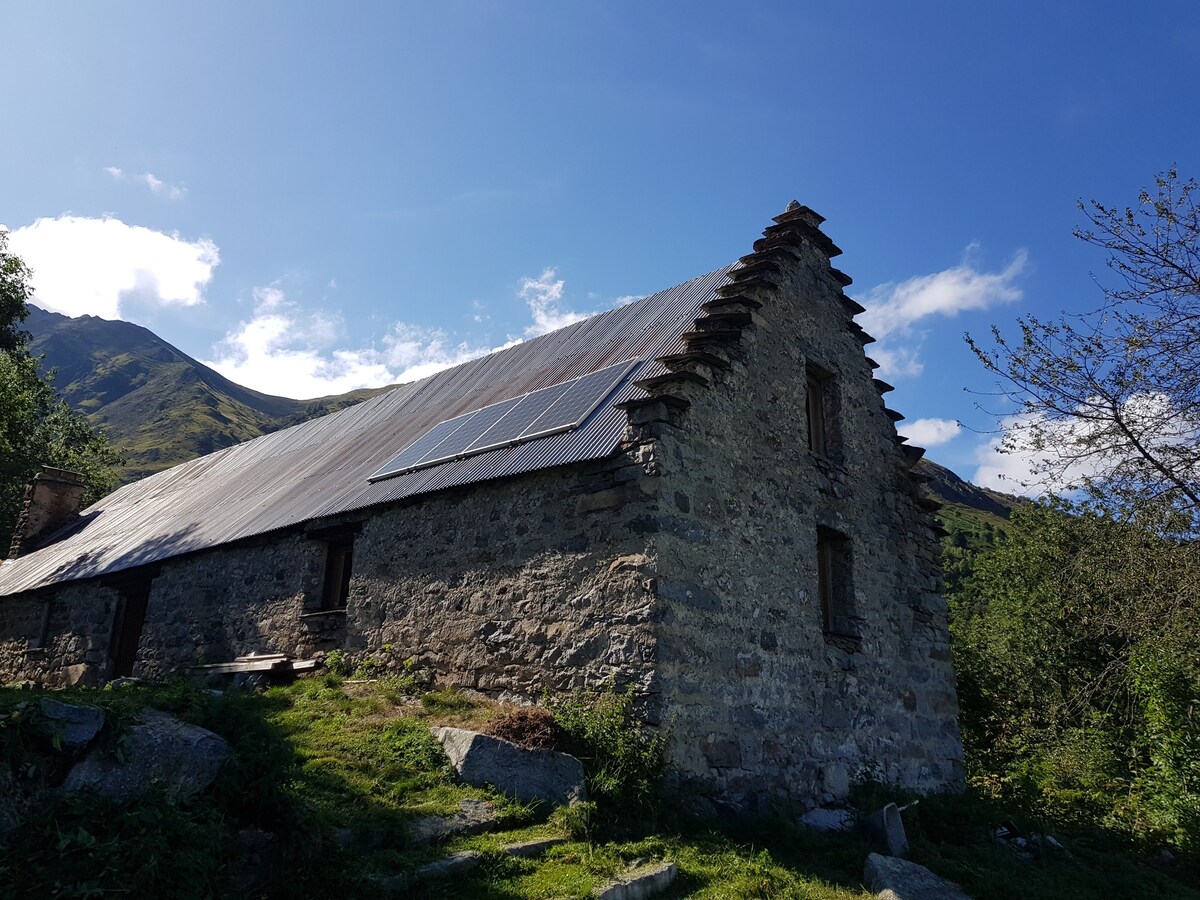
511	427
477	423
579	400
539	413
410	457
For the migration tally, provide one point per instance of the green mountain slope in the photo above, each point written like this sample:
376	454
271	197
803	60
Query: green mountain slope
975	519
160	406
965	506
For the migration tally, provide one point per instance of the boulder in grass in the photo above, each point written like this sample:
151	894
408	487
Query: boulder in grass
159	753
530	776
892	878
77	724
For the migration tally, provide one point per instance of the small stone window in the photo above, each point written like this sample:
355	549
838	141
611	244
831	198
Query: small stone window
835	586
820	404
339	565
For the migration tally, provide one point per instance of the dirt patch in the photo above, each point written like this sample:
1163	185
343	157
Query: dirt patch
531	727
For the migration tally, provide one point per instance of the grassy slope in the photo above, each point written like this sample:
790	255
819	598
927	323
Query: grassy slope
322	755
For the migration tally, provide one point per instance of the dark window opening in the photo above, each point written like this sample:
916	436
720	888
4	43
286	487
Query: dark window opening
133	598
834	583
42	638
339	564
815	407
821	403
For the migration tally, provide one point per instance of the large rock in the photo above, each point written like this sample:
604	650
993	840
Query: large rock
160	753
892	878
78	724
531	776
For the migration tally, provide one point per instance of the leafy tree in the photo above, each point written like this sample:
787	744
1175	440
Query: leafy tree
37	427
1110	400
1077	646
14	295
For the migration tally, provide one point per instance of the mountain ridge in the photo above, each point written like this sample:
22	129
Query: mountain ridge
159	405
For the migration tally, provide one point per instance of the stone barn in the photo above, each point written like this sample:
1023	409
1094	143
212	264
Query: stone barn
700	495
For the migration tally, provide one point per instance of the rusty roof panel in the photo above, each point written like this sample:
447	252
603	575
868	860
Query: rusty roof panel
320	467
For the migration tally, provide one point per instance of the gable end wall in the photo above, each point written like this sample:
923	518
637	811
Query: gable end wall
759	703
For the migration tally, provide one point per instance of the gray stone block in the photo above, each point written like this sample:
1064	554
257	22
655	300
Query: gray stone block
473	817
457	864
828	819
898	879
642	882
530	776
161	753
78	724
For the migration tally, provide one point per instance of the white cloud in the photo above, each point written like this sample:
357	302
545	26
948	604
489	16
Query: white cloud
897	362
155	184
282	349
544	297
1036	455
894	309
87	266
1017	466
931	432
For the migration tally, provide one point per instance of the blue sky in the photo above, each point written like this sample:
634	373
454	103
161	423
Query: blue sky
319	196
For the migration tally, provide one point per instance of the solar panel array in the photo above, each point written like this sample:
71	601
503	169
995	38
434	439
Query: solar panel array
560	407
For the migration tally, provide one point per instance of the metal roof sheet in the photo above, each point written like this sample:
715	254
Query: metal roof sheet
320	467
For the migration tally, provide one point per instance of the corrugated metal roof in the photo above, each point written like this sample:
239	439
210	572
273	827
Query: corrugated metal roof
320	468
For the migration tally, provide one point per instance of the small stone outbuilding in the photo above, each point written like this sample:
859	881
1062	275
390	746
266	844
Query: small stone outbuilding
700	495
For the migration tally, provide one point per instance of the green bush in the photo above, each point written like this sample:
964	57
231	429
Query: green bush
622	760
578	820
337	664
1077	651
80	847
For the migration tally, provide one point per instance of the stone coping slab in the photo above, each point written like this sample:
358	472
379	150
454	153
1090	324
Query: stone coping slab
645	881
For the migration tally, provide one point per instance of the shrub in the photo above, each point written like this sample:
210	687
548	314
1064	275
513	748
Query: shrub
623	762
337	664
576	820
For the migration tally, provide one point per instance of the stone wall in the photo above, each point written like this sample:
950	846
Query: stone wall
760	701
232	601
537	583
512	588
57	638
207	607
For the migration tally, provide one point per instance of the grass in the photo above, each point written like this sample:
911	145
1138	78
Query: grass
323	757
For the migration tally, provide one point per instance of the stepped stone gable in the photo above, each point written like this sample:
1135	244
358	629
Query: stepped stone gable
735	533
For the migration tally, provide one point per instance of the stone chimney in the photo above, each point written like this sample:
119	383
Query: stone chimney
51	501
